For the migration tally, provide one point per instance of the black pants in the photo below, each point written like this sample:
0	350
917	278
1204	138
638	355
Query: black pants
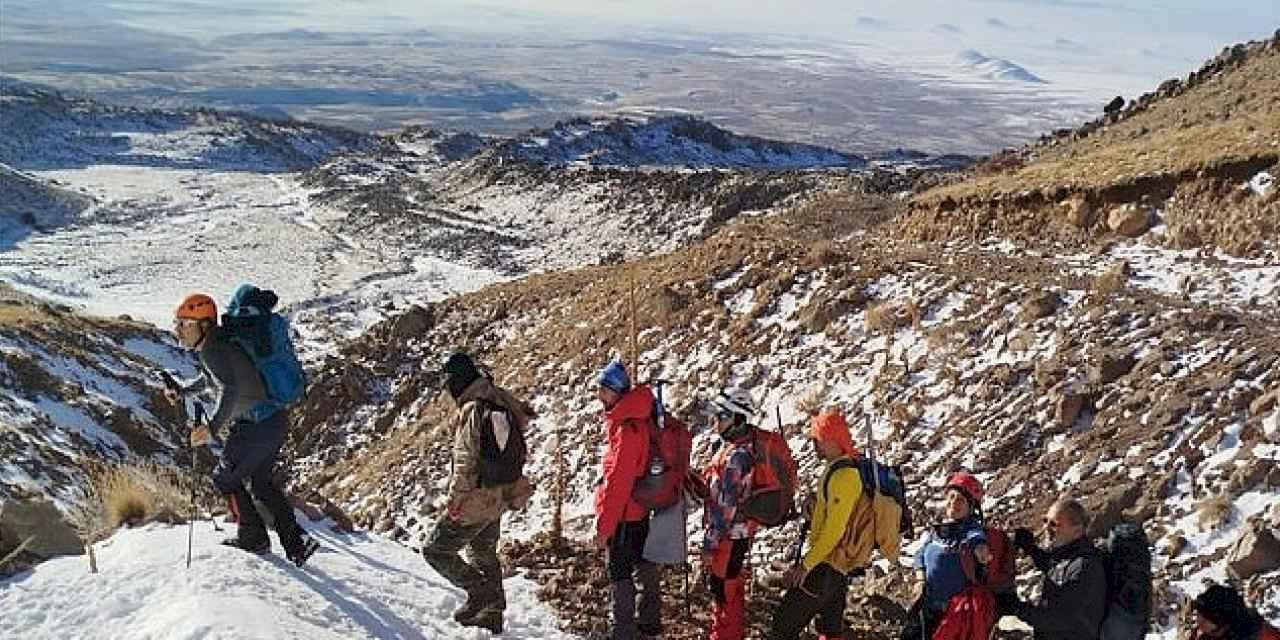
737	558
626	564
921	622
250	454
822	594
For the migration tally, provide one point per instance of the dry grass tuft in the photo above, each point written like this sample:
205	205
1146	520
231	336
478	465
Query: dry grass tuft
882	317
812	401
129	495
1213	513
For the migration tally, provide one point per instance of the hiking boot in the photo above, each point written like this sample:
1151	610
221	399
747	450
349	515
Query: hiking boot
304	551
489	618
256	548
472	607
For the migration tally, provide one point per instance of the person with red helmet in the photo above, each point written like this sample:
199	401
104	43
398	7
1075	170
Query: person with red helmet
960	539
252	447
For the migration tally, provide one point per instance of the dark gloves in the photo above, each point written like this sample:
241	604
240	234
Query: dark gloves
1024	539
1007	603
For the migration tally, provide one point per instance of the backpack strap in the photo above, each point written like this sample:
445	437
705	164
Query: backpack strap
842	463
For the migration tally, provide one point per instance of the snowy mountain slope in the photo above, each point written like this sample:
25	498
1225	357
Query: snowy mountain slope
996	68
204	200
1012	363
28	203
584	191
357	586
75	389
668	141
47	130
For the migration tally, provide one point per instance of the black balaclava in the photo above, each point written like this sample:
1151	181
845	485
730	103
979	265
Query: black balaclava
460	371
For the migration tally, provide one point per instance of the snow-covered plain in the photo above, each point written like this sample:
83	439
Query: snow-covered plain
162	233
356	586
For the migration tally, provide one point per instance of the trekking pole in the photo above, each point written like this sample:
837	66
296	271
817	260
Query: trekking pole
196	420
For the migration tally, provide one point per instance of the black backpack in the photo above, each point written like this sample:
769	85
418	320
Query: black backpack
1127	558
505	465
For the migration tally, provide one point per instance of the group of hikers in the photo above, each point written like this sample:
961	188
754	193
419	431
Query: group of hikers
966	568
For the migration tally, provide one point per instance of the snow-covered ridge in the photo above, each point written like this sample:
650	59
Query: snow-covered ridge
48	130
29	203
75	389
996	68
666	141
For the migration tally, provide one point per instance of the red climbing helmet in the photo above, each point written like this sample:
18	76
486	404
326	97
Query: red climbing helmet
965	483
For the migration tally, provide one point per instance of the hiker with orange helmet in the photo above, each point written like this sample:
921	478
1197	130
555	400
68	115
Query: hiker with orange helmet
959	541
816	587
252	447
727	534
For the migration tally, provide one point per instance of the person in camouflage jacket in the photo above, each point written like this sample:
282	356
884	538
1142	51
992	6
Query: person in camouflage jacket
473	516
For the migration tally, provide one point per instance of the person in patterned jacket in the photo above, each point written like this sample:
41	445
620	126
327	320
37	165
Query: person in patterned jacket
727	535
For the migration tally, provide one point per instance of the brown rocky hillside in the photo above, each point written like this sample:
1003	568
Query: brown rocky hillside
1175	159
1046	374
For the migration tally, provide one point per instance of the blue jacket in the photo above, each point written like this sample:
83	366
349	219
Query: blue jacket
940	559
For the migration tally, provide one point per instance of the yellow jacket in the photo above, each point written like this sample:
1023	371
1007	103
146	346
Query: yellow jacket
845	526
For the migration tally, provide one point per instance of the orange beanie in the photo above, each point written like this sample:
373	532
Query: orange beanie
830	426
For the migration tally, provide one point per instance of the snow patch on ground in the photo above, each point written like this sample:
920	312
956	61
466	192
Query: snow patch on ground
357	586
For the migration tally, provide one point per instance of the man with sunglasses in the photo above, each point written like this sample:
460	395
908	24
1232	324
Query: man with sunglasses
1073	596
252	447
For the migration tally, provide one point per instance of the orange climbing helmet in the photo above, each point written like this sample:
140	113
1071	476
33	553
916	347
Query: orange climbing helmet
197	306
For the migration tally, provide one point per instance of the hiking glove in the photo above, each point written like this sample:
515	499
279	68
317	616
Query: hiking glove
1007	603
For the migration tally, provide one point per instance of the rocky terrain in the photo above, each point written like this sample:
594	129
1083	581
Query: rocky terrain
1092	316
585	191
1138	376
75	389
1187	159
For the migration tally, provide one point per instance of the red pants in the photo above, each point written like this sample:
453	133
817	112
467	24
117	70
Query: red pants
728	581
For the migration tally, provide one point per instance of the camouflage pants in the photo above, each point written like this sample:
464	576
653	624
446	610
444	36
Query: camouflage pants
482	577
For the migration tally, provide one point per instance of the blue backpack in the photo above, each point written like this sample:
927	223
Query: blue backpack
264	336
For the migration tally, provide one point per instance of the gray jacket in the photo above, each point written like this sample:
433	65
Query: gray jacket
230	371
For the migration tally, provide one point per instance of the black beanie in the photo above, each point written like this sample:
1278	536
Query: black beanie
460	371
1225	607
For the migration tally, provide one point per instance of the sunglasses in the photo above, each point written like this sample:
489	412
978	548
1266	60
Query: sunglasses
179	323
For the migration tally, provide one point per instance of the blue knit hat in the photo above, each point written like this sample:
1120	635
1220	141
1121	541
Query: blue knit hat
614	377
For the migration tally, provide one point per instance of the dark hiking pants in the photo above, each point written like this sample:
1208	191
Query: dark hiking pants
822	594
921	622
481	579
249	456
626	563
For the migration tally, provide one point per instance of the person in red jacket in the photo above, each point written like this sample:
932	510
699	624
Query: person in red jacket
1221	614
622	524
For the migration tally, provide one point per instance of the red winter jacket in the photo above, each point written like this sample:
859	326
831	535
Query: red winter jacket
970	615
625	461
